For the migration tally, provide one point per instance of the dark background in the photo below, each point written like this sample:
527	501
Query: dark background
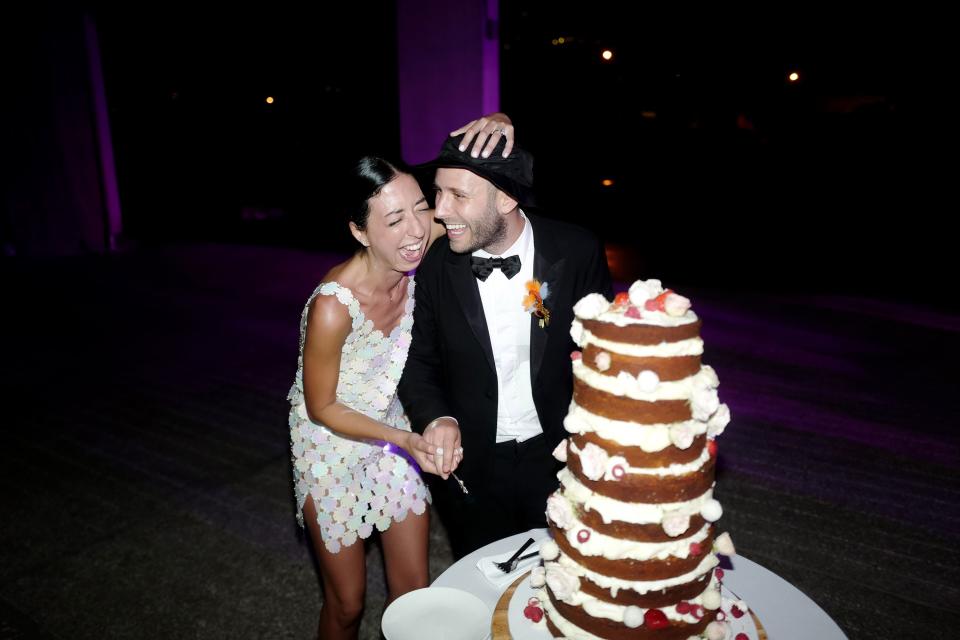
724	173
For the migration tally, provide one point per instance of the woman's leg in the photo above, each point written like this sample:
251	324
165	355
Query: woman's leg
344	582
405	554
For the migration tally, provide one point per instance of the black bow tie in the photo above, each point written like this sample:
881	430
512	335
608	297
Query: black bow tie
483	267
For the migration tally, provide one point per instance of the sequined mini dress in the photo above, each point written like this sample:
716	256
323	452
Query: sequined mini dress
356	485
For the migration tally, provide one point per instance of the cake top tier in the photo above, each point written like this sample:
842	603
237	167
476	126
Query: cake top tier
647	302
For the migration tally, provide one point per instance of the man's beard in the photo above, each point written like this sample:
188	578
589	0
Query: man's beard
491	229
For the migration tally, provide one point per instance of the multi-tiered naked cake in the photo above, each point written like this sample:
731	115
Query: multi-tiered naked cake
634	546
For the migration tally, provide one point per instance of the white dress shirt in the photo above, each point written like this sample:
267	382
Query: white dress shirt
509	327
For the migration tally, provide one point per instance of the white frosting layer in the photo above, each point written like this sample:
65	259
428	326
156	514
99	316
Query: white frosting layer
672	470
602	609
690	347
632	512
626	385
640	586
600	544
649	437
615	316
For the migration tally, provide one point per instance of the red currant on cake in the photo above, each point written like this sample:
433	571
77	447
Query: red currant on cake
575	355
582	536
622	298
533	612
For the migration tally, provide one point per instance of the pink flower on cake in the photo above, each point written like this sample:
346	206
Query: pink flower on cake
562	583
590	306
648	381
616	468
676	305
724	545
643	290
681	435
602	361
560	452
718	421
559	511
716	631
593	461
675	523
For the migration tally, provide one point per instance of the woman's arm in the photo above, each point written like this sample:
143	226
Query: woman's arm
328	325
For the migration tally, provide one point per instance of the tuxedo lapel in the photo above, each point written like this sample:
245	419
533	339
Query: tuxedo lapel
547	268
464	285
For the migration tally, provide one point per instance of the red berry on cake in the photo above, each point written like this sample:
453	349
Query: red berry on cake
695	548
575	355
533	612
683	607
718	573
618	471
736	612
633	312
602	360
622	298
655	619
742	636
712	447
582	536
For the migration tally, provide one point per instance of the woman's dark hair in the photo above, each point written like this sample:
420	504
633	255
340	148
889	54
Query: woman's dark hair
368	177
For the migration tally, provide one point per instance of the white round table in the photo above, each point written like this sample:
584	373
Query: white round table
784	610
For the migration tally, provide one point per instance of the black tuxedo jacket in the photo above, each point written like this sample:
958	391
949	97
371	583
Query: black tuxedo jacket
450	369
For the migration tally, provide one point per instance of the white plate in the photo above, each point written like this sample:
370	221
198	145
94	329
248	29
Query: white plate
523	629
437	613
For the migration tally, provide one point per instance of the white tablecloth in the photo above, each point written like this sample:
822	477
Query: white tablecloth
785	612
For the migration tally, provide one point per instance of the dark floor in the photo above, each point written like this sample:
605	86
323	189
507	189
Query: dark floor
146	471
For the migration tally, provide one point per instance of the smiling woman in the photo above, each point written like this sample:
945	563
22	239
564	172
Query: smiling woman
356	464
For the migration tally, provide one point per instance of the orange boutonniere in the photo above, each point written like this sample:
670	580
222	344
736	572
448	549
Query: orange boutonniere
537	292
